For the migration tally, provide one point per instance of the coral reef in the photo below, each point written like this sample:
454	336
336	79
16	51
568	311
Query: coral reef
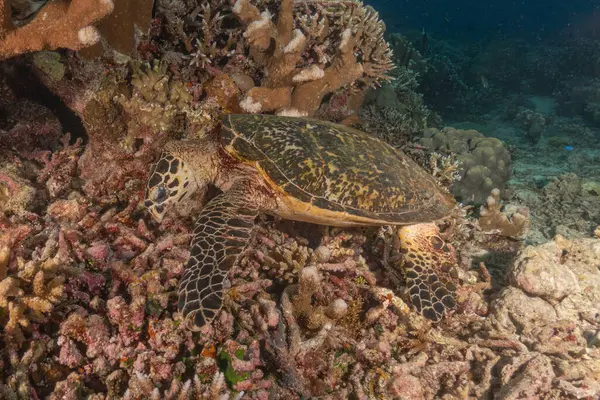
580	97
342	52
484	163
396	111
59	24
87	280
552	305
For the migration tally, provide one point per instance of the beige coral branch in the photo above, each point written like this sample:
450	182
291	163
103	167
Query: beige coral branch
492	219
36	288
59	24
350	47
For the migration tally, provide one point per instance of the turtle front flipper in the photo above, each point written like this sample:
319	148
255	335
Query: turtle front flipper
425	256
221	234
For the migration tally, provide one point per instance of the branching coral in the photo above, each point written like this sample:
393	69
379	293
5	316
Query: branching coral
156	102
492	219
484	163
311	311
311	51
39	285
59	24
395	113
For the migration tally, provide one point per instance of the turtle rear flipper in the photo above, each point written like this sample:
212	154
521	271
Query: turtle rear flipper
221	234
424	256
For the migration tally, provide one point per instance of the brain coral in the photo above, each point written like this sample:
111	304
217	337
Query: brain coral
484	162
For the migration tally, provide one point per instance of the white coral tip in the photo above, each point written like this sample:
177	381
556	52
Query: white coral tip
249	105
346	35
311	73
108	4
292	112
88	36
297	42
237	7
263	22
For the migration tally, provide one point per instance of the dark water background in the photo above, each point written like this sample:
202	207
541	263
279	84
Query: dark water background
476	20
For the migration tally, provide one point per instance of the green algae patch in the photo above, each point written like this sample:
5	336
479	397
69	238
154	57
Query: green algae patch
225	362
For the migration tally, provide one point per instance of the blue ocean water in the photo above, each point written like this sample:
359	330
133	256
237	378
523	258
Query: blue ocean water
472	20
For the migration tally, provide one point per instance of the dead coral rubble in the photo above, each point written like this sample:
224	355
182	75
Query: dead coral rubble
59	24
311	50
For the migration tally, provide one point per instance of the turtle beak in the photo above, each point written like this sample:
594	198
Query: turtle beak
157	216
156	211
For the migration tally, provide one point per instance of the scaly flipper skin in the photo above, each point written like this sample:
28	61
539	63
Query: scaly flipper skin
424	256
221	234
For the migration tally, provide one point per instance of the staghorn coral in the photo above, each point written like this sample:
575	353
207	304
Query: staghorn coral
345	39
406	56
396	111
395	114
484	162
59	24
492	219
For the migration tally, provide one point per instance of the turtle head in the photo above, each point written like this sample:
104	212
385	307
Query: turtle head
184	167
171	180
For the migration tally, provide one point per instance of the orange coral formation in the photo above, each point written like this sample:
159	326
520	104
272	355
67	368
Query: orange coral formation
59	24
294	86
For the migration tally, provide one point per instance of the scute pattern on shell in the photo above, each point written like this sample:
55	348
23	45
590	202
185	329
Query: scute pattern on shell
336	168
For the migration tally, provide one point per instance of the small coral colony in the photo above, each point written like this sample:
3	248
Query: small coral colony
260	199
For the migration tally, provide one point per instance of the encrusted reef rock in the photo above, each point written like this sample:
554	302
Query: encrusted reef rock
553	307
568	205
16	192
484	163
581	97
534	123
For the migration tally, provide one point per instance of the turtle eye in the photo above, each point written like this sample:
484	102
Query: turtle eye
161	194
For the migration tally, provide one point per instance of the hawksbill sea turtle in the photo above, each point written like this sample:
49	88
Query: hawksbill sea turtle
305	170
